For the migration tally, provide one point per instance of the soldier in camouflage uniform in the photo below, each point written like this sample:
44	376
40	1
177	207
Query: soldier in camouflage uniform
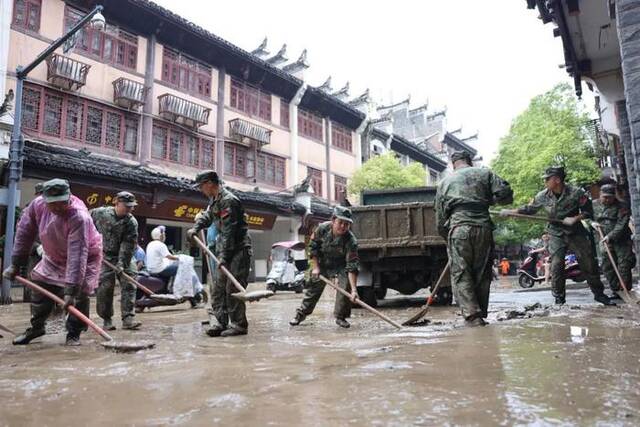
233	247
570	205
462	214
333	251
119	231
613	216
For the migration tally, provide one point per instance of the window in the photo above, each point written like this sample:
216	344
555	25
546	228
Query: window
235	160
244	162
56	114
270	169
186	73
284	114
26	14
339	188
176	145
113	45
250	99
309	125
340	137
316	180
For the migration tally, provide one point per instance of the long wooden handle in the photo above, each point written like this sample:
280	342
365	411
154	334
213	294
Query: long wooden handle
360	302
131	280
532	217
615	267
435	288
222	267
71	309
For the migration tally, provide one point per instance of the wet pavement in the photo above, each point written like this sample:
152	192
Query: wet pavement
575	365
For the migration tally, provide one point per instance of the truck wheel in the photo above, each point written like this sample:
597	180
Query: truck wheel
444	296
367	295
381	292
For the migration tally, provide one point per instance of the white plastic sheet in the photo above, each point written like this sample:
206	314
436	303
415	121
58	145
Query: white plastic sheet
186	283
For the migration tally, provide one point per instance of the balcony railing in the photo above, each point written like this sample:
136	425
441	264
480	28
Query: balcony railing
183	112
245	132
128	93
66	73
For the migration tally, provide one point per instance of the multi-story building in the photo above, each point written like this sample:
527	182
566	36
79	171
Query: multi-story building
151	100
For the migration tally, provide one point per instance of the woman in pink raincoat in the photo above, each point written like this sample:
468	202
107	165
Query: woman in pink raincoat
71	262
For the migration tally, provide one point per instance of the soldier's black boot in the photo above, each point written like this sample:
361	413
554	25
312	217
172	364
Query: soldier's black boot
342	323
232	332
560	301
129	322
107	325
216	328
603	299
474	320
297	320
29	335
73	339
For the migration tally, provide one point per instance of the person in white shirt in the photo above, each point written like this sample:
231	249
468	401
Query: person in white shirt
160	262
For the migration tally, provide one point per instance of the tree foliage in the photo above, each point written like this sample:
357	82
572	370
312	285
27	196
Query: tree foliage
386	171
552	131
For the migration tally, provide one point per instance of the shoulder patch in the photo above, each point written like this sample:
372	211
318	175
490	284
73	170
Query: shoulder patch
225	212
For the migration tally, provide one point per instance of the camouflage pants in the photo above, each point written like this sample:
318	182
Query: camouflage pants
583	247
313	291
106	287
624	258
227	310
470	251
41	308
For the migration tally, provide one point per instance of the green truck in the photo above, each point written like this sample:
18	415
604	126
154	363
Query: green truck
399	246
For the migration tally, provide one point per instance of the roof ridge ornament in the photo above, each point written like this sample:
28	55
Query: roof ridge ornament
326	86
343	93
300	64
261	51
279	57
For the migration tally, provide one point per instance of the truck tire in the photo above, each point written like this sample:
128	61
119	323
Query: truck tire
367	295
381	292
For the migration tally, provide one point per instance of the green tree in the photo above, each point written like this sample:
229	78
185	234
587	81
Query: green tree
552	131
386	171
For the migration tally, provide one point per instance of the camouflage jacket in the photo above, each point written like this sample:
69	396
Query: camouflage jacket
614	220
119	235
464	197
228	215
334	254
573	201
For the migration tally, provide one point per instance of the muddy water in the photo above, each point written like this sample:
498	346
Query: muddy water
572	366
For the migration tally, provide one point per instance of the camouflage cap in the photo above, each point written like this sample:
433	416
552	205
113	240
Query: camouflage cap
56	190
204	176
554	171
127	198
343	213
461	155
38	189
608	190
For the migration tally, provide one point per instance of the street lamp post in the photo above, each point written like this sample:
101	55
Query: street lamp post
16	147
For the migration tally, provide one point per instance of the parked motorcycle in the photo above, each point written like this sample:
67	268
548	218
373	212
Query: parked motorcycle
528	271
286	273
159	285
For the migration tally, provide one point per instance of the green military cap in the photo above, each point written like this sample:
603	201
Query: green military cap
38	189
127	198
204	176
461	155
608	190
56	190
343	213
554	171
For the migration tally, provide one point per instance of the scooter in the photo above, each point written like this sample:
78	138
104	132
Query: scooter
528	276
286	273
160	286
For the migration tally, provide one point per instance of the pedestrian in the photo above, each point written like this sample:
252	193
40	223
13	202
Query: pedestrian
119	230
159	260
233	247
71	267
504	266
462	215
570	205
139	256
333	252
613	216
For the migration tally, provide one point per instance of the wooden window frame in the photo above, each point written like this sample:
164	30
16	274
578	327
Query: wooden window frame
310	125
197	76
80	134
23	24
123	51
284	114
316	180
256	165
339	188
183	154
251	100
341	137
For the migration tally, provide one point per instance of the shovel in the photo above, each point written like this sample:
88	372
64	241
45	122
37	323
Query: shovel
359	302
242	293
626	296
532	217
109	343
165	299
425	309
